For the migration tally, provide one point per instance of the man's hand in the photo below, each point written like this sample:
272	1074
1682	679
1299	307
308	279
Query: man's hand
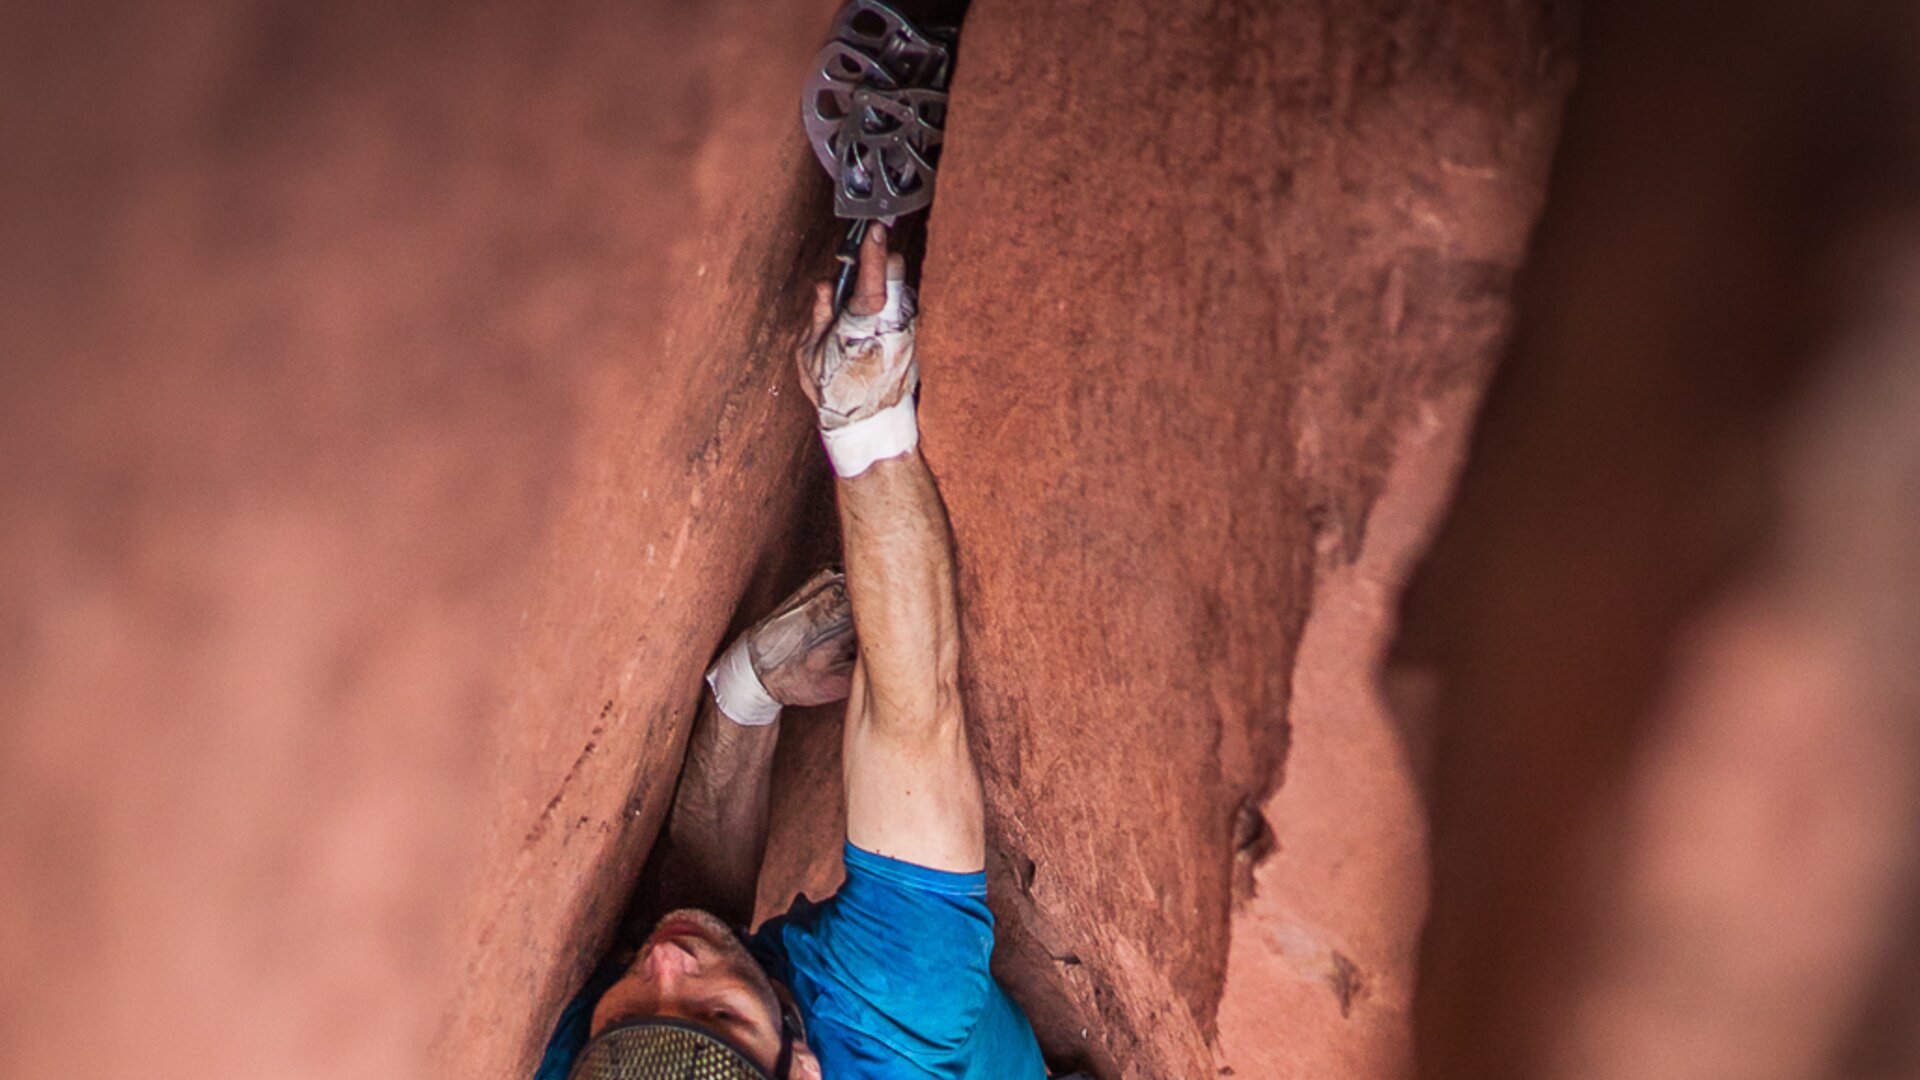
862	363
803	652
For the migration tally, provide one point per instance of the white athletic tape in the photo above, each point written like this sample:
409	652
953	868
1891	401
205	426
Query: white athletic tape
738	691
892	431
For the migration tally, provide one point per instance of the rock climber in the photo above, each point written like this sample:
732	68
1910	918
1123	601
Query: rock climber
888	977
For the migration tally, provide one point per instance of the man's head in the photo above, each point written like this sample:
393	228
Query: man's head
694	970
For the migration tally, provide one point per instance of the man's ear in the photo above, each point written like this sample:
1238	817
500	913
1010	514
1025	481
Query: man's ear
805	1065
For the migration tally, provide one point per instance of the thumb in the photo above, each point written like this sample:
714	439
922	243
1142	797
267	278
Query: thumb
822	310
808	348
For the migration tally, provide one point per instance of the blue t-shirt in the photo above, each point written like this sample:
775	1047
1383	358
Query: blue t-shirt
890	974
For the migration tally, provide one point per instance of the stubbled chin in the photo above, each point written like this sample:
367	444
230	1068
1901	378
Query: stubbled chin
707	926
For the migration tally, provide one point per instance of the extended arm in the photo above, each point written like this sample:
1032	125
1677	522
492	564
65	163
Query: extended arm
912	789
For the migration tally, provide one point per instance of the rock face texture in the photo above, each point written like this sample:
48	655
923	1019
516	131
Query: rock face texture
1174	347
392	420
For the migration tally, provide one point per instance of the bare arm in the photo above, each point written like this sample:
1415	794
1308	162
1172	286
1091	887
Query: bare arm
717	830
801	654
913	792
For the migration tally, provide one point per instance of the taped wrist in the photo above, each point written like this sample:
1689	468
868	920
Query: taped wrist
868	359
742	697
892	431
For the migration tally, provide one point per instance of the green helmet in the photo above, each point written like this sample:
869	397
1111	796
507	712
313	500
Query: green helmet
657	1048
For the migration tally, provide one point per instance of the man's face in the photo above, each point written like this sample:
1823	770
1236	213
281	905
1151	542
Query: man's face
692	968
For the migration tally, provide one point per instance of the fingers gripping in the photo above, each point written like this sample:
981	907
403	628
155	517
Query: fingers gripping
806	354
822	312
863	363
867	362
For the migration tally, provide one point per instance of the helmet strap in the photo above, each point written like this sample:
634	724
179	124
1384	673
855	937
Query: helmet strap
783	1065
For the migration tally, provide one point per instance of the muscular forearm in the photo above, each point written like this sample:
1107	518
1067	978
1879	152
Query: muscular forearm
912	790
800	654
717	831
900	576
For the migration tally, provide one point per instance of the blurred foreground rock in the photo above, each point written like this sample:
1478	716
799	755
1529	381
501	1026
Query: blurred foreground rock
1675	614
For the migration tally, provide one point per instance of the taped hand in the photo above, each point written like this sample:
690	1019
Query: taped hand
862	363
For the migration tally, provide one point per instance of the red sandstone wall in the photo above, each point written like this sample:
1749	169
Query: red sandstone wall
1210	299
390	426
